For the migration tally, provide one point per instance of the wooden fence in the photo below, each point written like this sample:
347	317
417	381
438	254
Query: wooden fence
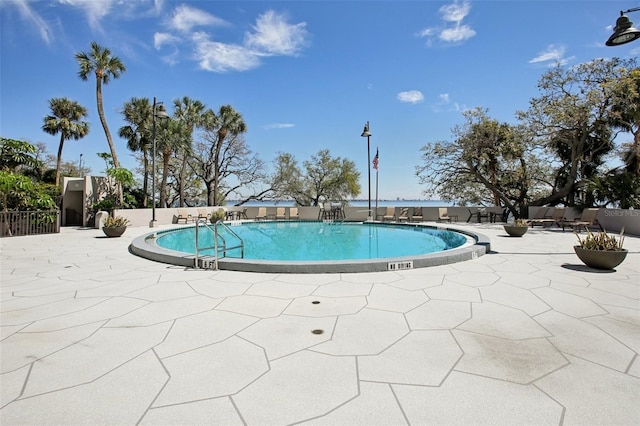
13	224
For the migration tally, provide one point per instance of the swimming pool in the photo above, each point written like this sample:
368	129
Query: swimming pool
312	247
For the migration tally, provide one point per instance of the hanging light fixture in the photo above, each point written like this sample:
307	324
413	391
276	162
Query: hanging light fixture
624	31
367	134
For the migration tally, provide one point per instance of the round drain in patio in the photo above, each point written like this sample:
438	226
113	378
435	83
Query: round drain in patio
317	331
315	302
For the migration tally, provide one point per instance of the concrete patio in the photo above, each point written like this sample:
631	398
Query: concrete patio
92	334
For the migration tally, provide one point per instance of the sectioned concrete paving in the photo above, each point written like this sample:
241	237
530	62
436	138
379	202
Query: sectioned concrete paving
92	334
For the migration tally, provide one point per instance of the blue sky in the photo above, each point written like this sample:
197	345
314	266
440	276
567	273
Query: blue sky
305	75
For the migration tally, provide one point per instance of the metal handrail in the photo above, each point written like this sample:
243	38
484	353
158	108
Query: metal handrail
343	220
216	235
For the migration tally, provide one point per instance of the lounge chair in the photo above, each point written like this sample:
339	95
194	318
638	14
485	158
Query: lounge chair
587	219
203	214
293	213
242	214
280	213
556	216
404	214
541	216
389	215
262	213
183	214
416	214
443	215
497	213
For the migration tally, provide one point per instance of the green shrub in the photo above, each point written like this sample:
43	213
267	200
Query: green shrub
115	222
601	241
217	215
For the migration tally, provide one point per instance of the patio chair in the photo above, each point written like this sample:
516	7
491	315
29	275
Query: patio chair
541	216
325	211
203	214
497	214
404	214
337	212
183	214
293	213
587	219
482	213
416	214
389	215
262	213
280	213
557	217
443	215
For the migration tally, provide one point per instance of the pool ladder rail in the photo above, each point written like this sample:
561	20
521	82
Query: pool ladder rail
218	248
344	219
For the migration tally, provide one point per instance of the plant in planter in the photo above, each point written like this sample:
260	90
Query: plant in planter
217	215
601	250
114	226
517	228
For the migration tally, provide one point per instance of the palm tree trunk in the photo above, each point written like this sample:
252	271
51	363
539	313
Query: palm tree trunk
103	121
182	178
145	181
163	184
222	133
636	145
59	162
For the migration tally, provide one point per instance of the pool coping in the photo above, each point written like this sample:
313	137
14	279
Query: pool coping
144	246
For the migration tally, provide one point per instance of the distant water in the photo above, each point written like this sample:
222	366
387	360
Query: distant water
358	203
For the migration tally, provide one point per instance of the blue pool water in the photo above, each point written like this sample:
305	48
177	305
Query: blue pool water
317	241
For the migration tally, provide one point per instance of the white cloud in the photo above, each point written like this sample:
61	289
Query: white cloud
553	54
185	18
165	39
279	126
28	14
445	104
272	35
459	33
427	32
455	12
95	10
451	13
160	39
411	96
221	57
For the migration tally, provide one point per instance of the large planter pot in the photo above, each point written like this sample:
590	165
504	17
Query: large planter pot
600	259
515	231
113	231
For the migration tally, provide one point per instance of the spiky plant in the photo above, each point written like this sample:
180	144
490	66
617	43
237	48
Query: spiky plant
601	241
115	222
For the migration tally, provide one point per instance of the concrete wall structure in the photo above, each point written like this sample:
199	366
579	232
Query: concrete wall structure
612	220
78	197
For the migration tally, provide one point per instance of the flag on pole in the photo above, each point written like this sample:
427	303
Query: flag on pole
375	161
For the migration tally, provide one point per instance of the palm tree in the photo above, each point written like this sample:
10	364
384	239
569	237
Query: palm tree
231	122
138	112
171	137
100	61
66	119
192	114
